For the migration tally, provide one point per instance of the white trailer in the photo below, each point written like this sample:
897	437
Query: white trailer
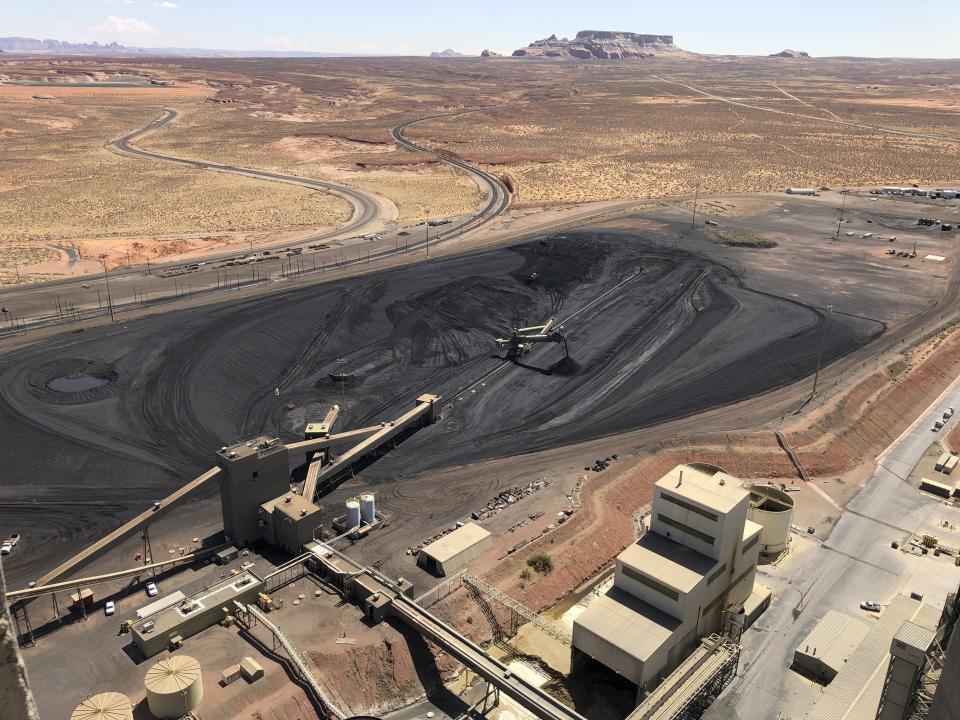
801	191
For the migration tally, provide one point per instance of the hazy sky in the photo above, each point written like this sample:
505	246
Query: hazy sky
919	28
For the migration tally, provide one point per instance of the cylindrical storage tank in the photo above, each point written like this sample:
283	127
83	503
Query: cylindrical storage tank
772	509
353	514
105	706
368	508
174	687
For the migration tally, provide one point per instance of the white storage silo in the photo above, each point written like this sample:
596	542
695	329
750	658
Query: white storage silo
105	706
773	509
353	514
174	687
368	508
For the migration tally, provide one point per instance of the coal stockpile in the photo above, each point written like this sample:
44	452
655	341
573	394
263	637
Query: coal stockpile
653	333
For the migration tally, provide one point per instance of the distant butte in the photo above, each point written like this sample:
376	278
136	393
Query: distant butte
790	54
601	45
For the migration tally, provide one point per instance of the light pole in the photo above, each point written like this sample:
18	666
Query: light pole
843	205
103	259
696	197
823	337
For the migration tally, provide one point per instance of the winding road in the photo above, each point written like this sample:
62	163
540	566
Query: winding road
498	194
36	304
366	206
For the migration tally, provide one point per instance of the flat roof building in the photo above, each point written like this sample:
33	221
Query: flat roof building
828	646
289	521
155	633
672	585
453	551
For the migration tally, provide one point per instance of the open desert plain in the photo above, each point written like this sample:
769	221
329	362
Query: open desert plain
500	297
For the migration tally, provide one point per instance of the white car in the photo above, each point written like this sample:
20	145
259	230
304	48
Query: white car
151	589
869	606
5	548
110	608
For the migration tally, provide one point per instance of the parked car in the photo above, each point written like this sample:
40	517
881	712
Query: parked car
869	606
948	413
937	425
5	548
151	589
110	608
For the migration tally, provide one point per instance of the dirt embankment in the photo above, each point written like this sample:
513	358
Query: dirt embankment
841	437
377	679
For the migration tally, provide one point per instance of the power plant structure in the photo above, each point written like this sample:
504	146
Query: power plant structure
522	339
174	687
689	577
104	706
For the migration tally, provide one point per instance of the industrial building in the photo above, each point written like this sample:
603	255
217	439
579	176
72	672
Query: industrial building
827	647
856	690
921	679
254	472
169	627
289	522
694	569
451	553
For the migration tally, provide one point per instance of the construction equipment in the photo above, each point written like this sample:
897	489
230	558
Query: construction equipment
523	338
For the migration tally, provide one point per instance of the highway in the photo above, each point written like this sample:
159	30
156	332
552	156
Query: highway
366	206
84	298
498	195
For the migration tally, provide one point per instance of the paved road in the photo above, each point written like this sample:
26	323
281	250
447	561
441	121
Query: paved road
366	206
84	298
855	563
498	195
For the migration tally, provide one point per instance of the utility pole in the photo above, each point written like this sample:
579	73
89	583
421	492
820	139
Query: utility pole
823	337
696	197
428	241
840	222
103	259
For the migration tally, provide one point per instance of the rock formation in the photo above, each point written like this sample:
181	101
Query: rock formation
490	53
601	45
446	53
790	54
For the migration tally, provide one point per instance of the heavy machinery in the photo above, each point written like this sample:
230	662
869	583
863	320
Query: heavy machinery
523	338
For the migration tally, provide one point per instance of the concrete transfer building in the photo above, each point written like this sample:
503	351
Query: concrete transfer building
672	586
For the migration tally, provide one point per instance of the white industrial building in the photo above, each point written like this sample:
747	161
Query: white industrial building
675	583
452	552
827	647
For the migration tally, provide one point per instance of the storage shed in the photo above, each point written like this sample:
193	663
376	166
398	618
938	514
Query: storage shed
453	551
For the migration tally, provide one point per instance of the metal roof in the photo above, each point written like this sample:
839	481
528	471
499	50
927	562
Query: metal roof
718	492
172	675
833	639
915	636
628	623
855	692
454	543
671	563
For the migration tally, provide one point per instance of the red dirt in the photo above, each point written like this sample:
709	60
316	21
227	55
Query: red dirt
841	437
